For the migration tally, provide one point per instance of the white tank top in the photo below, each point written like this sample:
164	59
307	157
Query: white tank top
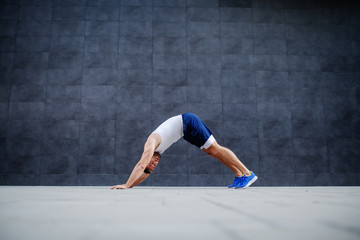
170	132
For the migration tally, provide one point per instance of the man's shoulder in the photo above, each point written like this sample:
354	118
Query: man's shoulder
154	138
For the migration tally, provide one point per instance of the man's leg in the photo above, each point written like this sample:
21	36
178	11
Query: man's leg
228	158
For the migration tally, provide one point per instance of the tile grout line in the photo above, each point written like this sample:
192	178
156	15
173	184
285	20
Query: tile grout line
222	87
152	72
81	97
46	92
187	89
256	92
117	88
45	97
290	103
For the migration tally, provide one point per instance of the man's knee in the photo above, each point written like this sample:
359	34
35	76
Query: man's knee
212	153
214	150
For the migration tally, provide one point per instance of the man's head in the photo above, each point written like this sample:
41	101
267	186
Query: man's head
153	163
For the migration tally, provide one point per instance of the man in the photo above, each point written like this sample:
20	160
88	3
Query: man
192	129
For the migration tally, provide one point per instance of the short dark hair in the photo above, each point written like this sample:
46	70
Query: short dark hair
157	154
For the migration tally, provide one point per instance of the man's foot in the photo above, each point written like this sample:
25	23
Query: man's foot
247	181
237	180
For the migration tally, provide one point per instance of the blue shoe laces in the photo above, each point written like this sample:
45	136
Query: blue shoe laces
242	179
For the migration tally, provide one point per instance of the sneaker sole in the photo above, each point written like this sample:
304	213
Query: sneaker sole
249	183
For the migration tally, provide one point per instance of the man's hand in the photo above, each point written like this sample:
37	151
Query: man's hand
122	186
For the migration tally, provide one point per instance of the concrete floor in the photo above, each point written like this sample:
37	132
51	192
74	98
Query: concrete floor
179	213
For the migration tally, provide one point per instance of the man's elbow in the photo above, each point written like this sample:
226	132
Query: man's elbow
148	153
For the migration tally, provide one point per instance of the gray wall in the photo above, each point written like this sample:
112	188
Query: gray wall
84	82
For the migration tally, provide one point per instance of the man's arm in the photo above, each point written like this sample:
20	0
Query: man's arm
138	170
140	179
138	175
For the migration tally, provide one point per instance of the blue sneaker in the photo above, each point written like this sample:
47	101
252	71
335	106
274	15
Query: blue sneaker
247	181
237	180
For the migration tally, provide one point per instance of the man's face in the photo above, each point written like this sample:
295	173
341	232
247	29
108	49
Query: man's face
153	163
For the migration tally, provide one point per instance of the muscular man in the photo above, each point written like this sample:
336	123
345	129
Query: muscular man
192	129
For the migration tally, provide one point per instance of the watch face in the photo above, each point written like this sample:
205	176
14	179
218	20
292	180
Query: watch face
153	163
148	171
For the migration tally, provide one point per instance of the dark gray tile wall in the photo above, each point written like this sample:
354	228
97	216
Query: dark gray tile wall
83	83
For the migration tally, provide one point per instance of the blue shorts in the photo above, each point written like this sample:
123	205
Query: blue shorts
195	131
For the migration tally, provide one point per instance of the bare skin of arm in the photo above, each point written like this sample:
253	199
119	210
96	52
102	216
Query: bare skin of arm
138	175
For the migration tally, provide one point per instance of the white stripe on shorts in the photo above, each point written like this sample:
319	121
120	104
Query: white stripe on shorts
208	142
